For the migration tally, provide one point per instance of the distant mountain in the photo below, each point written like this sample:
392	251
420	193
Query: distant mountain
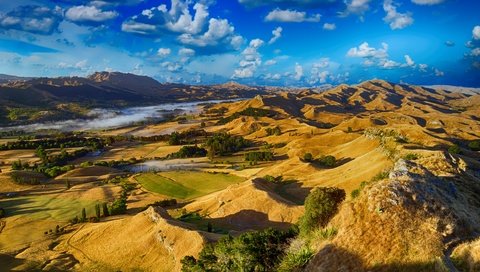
6	78
456	89
31	99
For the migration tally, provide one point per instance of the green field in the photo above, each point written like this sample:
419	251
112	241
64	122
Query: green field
28	217
186	184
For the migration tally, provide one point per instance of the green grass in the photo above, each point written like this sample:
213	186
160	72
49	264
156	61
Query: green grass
186	184
44	207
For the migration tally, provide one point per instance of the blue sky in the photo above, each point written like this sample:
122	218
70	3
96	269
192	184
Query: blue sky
269	42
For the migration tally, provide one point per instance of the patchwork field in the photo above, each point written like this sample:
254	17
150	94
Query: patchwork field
186	184
31	215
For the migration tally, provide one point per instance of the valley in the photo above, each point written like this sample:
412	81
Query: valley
399	163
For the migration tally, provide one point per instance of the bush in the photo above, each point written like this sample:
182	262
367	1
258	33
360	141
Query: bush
296	260
454	149
259	156
308	157
328	161
355	193
411	157
119	206
251	251
189	152
474	145
320	206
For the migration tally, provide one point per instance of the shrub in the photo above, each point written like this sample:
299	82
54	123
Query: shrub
119	206
259	156
296	260
189	152
411	157
355	193
454	149
308	157
251	251
474	145
329	160
320	206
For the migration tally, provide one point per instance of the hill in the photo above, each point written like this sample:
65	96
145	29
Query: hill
48	99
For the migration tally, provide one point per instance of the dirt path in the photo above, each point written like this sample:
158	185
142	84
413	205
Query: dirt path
76	248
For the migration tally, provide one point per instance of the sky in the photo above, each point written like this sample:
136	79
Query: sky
269	42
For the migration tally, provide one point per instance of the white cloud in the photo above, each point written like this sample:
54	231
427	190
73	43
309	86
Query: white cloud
33	19
475	52
250	61
186	52
270	62
323	63
298	71
409	60
328	26
273	76
172	66
291	16
357	7
89	14
476	32
185	23
218	29
395	19
365	51
427	2
422	67
277	33
388	64
439	73
163	52
139	28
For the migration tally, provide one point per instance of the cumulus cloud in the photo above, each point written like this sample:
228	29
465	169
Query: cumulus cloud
328	26
438	73
138	28
317	75
89	14
476	32
288	3
427	2
194	29
409	60
357	7
270	62
365	51
449	43
250	61
422	67
475	52
277	33
163	52
290	16
395	19
217	30
298	71
33	19
186	52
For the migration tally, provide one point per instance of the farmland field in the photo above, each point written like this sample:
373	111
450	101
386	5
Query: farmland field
186	184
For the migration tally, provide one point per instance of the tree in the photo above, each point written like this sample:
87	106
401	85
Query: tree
105	209
454	149
67	183
474	145
2	212
209	227
97	210
308	157
84	215
320	206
